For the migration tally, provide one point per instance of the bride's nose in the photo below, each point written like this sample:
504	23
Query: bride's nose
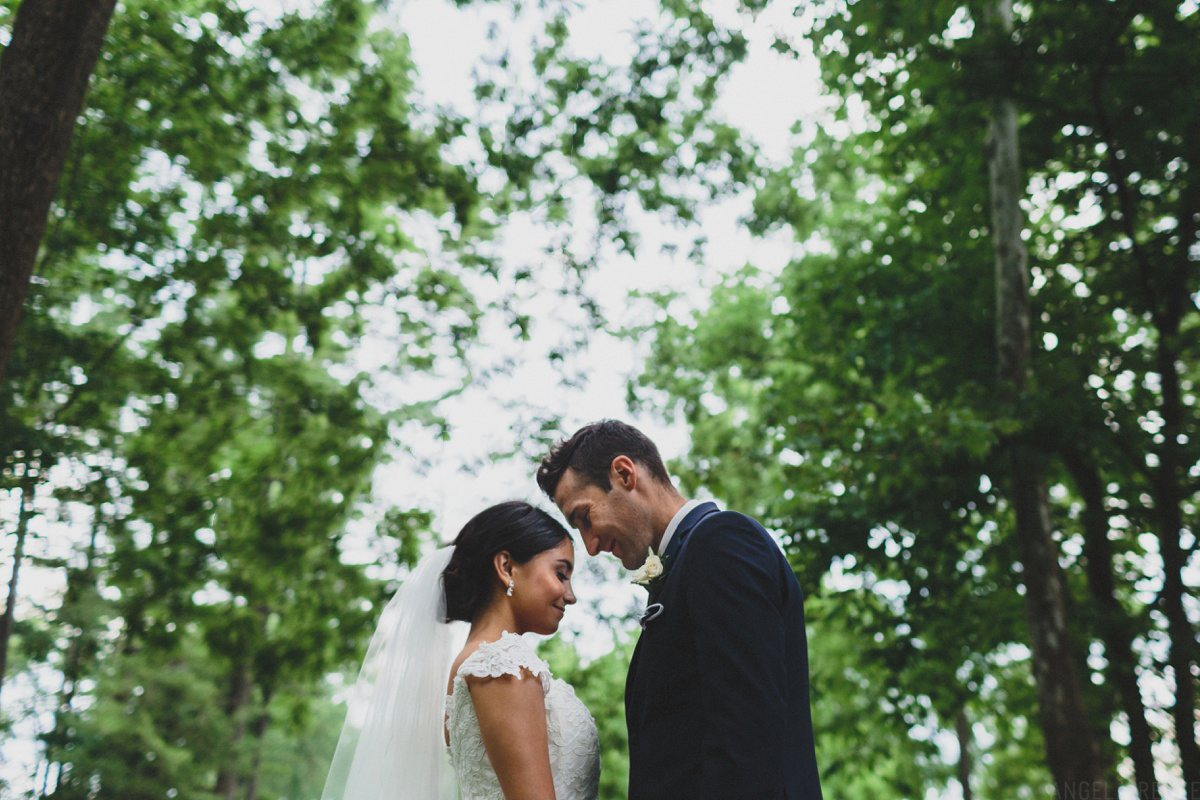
569	597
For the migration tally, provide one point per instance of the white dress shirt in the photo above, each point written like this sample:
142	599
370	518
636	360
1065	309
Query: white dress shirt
674	524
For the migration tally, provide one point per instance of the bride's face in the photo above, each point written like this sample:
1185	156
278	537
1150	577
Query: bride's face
542	589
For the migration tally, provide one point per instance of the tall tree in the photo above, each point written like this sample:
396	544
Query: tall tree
236	209
855	387
1072	751
44	74
239	210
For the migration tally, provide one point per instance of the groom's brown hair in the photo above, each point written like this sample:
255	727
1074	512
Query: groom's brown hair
590	452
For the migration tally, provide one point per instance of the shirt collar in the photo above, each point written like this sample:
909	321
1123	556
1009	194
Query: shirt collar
674	524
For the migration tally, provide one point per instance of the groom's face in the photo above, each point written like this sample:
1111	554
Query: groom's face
608	522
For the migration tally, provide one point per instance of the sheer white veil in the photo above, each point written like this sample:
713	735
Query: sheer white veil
392	745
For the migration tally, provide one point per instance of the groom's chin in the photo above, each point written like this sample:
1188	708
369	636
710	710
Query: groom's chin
637	563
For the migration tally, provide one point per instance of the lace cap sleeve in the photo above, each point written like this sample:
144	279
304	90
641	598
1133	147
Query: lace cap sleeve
508	655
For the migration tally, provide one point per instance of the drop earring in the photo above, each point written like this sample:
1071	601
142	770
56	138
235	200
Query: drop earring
510	587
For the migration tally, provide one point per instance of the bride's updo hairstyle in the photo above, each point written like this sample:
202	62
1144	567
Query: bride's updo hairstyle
516	527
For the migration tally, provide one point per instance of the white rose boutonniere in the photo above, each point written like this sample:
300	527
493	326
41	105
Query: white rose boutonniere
652	568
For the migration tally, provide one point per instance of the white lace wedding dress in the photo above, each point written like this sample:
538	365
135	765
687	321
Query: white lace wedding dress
574	743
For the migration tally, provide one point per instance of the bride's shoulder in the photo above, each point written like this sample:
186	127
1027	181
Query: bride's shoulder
511	654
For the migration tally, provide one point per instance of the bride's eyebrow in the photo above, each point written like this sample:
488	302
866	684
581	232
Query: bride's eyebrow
567	563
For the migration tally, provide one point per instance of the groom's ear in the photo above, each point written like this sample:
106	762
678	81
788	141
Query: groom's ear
623	473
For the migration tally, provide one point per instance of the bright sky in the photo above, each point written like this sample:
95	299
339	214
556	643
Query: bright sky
766	96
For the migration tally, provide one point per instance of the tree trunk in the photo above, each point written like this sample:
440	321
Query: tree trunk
82	647
241	686
258	731
962	727
1072	752
1165	288
10	605
44	73
1169	498
1116	628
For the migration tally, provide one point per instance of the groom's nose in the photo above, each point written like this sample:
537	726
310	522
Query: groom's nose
592	543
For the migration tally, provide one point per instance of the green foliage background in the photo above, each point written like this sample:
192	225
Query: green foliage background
190	429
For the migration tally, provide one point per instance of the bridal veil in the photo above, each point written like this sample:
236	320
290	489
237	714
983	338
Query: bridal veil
392	745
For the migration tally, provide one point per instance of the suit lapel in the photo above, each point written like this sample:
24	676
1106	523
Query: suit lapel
675	545
633	687
686	526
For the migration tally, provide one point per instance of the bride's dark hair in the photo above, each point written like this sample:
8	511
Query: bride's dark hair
516	527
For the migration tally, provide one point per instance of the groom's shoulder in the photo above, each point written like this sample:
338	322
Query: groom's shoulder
731	519
731	530
741	550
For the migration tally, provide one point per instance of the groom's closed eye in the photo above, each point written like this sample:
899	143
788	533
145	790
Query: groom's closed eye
577	520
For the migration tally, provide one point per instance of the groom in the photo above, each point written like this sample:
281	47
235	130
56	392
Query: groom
717	695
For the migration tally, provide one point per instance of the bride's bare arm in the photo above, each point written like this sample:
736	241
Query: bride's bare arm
512	722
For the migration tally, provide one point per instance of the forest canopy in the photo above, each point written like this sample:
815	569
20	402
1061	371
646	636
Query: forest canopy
963	400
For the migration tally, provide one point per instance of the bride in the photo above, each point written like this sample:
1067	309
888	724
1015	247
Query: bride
492	714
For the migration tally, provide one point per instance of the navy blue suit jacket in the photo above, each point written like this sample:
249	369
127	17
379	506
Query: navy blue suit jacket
717	696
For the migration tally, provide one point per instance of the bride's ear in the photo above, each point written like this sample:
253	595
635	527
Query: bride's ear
503	564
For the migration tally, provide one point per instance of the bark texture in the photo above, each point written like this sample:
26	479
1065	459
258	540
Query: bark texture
44	73
1072	750
1117	629
962	728
1168	296
1169	498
